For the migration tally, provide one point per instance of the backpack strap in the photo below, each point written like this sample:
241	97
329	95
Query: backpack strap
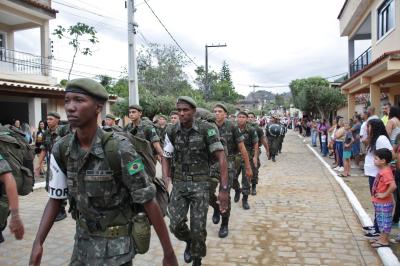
110	145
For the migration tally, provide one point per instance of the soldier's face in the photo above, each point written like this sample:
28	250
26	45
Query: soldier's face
252	118
109	122
174	119
185	112
161	121
219	114
52	121
241	119
134	114
81	109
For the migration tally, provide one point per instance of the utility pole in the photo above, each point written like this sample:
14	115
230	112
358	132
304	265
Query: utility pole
254	86
132	64
207	81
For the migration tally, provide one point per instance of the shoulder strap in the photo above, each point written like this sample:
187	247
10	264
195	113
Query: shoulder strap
110	146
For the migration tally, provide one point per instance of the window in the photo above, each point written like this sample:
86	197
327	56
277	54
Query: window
2	46
385	17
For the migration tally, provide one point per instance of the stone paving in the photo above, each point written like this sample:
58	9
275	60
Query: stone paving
300	216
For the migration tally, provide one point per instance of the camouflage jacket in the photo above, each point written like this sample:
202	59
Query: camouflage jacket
192	148
260	132
230	132
145	130
4	166
99	194
250	137
161	133
49	138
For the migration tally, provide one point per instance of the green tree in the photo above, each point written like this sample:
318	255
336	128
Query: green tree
316	96
76	33
107	82
279	100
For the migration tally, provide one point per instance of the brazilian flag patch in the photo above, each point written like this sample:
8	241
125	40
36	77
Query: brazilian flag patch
135	167
211	132
1	157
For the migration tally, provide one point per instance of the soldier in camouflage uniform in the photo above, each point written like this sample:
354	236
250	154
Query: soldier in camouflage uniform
251	143
282	136
50	136
174	117
190	144
161	128
110	123
101	197
143	128
262	141
234	141
273	138
9	187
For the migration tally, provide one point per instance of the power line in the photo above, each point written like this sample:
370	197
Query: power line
169	33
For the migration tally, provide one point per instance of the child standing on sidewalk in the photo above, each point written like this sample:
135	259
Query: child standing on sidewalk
382	197
347	148
324	142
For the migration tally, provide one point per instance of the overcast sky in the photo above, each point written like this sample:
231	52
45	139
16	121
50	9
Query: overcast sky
269	42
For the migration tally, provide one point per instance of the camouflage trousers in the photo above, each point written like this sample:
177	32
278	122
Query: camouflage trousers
93	250
4	211
214	183
281	138
193	195
273	144
245	181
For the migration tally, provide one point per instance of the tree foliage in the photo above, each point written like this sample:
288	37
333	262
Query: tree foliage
75	34
316	96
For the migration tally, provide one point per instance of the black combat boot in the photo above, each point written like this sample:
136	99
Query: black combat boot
223	231
245	203
187	256
216	216
273	158
253	189
237	195
196	262
1	237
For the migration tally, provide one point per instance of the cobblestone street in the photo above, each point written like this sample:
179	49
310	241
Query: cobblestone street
300	216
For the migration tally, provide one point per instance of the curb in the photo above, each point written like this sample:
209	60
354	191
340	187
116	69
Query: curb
386	254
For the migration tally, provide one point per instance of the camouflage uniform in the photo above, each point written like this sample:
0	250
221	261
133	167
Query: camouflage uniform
250	138
282	137
232	136
100	198
161	133
4	168
260	134
49	138
145	130
273	142
192	149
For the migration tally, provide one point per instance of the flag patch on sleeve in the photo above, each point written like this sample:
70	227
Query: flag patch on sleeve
135	167
211	132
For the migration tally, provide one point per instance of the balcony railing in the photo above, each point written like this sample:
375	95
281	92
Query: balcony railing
362	61
24	63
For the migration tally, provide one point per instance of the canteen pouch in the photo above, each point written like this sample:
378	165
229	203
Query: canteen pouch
141	233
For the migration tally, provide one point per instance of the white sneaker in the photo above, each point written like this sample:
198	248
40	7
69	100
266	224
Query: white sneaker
336	168
341	169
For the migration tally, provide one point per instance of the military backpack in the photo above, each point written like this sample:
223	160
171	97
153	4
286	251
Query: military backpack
19	155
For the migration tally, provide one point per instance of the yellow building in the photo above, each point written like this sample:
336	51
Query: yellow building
27	89
376	70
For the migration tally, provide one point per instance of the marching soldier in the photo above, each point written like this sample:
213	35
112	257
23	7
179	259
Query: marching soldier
234	140
110	123
251	143
262	141
50	137
7	184
189	144
273	131
101	194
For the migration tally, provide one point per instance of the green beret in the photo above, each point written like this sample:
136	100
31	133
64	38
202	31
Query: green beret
54	114
87	86
221	105
137	107
187	100
110	116
163	116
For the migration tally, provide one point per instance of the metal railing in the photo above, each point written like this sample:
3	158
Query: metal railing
362	61
24	63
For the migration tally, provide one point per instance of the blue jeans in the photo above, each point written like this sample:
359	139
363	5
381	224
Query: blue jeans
324	147
339	148
314	135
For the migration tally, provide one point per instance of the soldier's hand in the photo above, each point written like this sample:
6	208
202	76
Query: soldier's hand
38	170
36	254
255	161
223	198
16	226
170	260
249	172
